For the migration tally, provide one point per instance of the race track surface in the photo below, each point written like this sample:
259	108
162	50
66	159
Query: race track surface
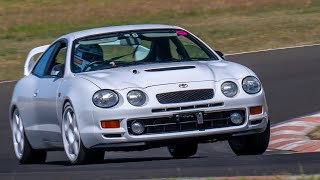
291	78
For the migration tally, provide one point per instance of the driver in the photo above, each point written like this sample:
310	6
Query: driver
85	54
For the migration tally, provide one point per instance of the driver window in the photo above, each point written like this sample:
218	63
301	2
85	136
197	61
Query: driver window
40	67
61	56
58	61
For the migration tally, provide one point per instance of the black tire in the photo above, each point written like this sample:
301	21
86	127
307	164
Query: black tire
254	144
182	151
32	156
89	156
84	155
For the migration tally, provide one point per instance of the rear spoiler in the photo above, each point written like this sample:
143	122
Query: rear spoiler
30	61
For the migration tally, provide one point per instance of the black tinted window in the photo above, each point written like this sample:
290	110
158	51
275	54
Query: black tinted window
41	65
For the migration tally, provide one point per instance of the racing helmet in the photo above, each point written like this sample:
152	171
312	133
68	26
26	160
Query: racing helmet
89	52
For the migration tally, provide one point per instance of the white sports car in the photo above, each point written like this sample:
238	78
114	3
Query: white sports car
134	87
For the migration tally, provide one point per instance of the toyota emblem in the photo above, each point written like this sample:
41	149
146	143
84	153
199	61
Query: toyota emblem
183	85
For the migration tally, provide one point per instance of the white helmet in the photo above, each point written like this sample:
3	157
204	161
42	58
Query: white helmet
84	54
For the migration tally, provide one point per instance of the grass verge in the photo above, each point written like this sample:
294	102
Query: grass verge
227	25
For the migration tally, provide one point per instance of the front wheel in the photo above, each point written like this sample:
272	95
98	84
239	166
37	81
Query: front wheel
22	148
182	151
76	152
253	144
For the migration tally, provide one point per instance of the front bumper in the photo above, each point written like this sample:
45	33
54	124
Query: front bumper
95	136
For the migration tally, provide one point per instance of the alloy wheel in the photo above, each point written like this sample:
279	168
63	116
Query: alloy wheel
18	134
71	134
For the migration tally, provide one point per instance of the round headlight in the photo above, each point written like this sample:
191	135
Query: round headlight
229	89
251	85
105	98
136	97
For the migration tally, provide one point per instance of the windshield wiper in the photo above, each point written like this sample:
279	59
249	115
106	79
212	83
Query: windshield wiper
133	63
119	57
126	64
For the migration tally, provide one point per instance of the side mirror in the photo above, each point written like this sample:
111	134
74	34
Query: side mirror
57	70
220	54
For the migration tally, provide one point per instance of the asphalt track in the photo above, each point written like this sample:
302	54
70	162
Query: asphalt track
291	78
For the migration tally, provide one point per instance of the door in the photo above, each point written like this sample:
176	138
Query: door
45	94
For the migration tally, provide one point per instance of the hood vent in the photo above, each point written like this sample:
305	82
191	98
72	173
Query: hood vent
169	68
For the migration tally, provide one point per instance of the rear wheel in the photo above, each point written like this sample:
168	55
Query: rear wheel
253	144
22	148
76	152
183	150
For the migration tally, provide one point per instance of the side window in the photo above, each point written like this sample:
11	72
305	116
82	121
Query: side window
40	68
56	66
61	56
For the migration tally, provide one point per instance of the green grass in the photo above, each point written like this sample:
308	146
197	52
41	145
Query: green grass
228	25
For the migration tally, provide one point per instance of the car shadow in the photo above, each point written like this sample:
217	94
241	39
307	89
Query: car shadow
124	160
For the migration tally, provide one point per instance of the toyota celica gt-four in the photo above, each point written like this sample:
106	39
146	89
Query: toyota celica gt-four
134	87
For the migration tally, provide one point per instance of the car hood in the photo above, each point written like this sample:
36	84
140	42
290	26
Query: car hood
143	76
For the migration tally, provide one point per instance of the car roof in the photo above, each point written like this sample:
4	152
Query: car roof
110	29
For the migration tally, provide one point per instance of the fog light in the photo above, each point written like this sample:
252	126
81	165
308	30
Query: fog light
110	124
236	118
137	127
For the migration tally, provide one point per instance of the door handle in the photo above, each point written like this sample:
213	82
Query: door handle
36	92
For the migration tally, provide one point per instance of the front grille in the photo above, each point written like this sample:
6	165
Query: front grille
185	96
186	122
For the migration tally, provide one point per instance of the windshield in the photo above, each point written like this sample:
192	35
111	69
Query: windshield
136	48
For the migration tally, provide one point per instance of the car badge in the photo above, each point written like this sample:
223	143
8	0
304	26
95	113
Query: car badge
183	85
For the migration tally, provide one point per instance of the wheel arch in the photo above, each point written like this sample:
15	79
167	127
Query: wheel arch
61	109
11	110
66	100
13	107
